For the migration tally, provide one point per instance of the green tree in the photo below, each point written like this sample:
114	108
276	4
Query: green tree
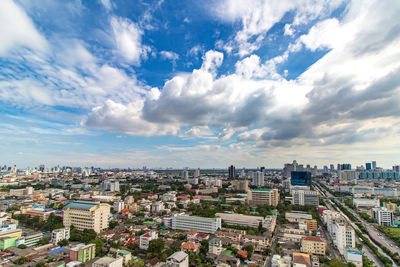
22	246
63	242
156	246
43	241
21	261
99	246
40	264
249	249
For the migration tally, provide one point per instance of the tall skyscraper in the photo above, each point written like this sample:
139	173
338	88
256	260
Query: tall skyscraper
232	172
196	173
258	179
373	165
368	166
332	167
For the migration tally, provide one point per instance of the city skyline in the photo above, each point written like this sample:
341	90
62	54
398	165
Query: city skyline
199	83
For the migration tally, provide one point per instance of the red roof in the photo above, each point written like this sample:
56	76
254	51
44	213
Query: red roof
190	246
242	253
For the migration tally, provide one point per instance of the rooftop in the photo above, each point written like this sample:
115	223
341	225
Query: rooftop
84	205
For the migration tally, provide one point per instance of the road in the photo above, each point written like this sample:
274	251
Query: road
379	237
328	197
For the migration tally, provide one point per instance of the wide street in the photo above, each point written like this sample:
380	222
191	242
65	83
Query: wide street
368	252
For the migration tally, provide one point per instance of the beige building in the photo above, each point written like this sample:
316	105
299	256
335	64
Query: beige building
240	185
87	215
313	244
263	197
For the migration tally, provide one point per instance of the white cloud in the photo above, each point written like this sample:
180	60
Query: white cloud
169	55
128	40
116	117
17	30
258	16
107	4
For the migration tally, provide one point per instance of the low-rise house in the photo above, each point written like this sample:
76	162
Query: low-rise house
190	247
178	259
301	260
215	246
108	262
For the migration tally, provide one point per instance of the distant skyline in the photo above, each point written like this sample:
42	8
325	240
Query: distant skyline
194	167
207	84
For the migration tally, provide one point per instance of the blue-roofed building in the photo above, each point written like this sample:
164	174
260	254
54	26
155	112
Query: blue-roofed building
87	215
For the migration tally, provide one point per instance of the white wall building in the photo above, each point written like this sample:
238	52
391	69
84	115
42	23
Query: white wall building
145	239
305	198
366	203
258	179
383	216
59	234
204	225
343	236
118	206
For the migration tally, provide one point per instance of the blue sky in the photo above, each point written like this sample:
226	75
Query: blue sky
199	83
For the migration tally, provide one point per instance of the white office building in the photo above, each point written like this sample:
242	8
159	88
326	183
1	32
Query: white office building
203	225
118	206
258	179
383	216
343	236
59	234
366	203
305	198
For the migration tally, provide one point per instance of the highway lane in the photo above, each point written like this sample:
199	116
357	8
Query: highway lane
328	197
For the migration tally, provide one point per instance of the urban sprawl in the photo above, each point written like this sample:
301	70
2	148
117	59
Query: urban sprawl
299	216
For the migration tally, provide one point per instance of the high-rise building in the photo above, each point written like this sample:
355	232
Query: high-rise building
396	168
185	175
240	185
196	173
110	185
332	168
258	179
345	166
373	165
343	236
87	215
263	197
201	224
289	167
231	172
305	198
118	206
368	166
383	216
300	178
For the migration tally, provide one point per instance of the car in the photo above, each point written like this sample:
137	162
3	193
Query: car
391	245
396	246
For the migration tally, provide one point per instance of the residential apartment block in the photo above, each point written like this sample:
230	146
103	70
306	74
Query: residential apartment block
313	244
87	215
263	197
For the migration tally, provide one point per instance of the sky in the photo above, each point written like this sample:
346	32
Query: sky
199	83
